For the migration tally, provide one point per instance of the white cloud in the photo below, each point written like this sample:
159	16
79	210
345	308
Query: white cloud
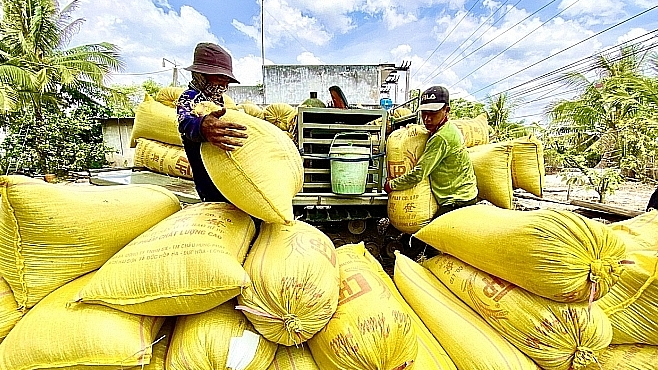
393	19
308	58
284	24
144	33
401	51
249	70
593	11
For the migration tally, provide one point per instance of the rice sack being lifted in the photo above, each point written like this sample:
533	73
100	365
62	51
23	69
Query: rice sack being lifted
221	338
410	209
370	329
474	130
556	335
556	254
294	282
51	234
54	336
186	264
469	340
632	304
263	175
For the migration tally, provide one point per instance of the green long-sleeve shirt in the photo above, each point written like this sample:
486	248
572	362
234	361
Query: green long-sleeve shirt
446	162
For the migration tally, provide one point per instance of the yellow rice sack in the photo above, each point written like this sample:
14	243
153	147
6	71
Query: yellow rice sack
162	158
252	110
492	165
629	357
155	121
51	234
9	312
638	233
430	353
410	209
161	346
53	336
557	336
221	338
469	340
474	130
370	329
281	115
294	282
188	263
556	254
632	302
169	95
293	358
229	103
528	165
262	176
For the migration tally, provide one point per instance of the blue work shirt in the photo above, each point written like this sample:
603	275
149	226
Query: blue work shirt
189	125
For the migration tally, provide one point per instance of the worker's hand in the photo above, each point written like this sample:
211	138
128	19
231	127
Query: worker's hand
387	187
225	135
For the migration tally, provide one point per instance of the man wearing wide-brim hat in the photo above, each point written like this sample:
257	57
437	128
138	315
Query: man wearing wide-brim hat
212	71
445	159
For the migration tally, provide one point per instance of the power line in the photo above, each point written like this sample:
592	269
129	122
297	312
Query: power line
561	78
519	40
445	38
493	39
482	24
144	73
567	48
473	33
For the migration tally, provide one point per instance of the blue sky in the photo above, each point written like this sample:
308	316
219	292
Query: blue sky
475	47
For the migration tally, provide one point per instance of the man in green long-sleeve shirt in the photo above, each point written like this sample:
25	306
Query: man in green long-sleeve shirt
445	159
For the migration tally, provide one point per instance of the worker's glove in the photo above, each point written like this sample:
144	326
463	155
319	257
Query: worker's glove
225	135
387	187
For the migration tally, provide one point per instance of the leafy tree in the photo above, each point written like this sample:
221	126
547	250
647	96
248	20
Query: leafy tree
57	144
603	180
34	61
462	108
499	109
607	109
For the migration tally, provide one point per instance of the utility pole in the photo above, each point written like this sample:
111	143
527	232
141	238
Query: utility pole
174	79
262	43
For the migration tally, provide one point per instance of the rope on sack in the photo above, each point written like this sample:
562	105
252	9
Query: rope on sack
627	302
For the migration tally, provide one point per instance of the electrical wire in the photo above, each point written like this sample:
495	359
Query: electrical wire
479	37
567	48
493	39
519	40
142	74
563	77
445	38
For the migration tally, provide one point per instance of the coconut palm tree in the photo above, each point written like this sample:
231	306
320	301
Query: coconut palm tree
499	109
35	67
595	119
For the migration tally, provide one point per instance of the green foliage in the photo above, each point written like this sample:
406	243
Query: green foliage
35	68
603	180
462	108
615	116
55	143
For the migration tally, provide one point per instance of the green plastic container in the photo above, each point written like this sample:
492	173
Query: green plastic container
349	169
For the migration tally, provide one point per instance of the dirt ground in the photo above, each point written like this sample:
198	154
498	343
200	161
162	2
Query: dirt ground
629	195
